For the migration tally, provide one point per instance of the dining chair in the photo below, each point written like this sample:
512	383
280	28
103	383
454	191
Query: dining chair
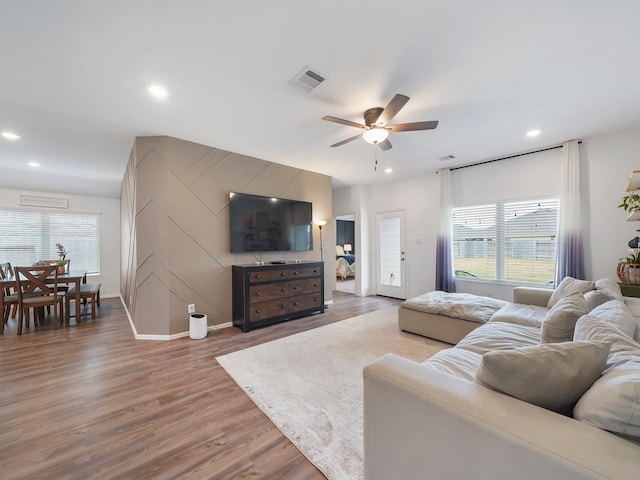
88	292
9	297
37	288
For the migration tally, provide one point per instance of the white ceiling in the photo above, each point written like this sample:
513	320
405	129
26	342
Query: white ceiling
73	77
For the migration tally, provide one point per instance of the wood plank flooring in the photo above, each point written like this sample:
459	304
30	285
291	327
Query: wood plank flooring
89	402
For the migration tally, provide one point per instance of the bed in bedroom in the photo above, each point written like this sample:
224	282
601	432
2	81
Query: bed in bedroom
345	264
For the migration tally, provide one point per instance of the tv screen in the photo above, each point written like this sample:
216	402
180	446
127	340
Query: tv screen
269	224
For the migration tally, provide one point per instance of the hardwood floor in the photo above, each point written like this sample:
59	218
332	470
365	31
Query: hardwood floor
88	401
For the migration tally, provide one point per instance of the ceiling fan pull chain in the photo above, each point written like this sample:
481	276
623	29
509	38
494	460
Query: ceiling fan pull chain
375	165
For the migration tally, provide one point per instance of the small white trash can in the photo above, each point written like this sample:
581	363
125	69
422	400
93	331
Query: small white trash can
197	326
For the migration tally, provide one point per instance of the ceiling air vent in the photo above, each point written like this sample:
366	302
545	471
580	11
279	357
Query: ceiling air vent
307	79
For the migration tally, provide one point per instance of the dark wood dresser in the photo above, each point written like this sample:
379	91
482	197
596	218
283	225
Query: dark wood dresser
271	293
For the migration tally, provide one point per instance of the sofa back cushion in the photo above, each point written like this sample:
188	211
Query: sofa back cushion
569	286
552	376
560	321
616	312
613	402
605	291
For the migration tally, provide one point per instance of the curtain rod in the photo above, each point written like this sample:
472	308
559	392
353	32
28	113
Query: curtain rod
510	156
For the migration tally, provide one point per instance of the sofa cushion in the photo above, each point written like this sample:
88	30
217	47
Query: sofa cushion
617	313
552	376
455	361
613	402
623	347
560	321
519	314
499	336
568	286
605	291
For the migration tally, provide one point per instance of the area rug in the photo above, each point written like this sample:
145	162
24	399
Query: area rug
310	384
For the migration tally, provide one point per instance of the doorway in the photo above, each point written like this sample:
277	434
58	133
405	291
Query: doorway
390	254
346	254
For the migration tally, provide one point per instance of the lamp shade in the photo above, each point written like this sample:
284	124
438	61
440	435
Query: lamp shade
375	135
347	247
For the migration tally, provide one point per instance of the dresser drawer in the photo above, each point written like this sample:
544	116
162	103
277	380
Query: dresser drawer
273	308
304	272
268	275
269	291
302	287
304	302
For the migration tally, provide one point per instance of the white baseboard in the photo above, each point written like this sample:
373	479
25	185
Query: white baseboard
140	336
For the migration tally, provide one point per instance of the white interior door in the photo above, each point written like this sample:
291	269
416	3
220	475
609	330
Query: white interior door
390	254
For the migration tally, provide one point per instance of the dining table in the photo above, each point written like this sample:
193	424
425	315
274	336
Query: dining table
75	277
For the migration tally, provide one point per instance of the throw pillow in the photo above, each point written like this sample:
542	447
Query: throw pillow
550	376
339	250
605	291
617	313
560	321
568	286
613	402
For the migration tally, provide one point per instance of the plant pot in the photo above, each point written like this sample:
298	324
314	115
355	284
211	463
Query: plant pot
61	270
628	274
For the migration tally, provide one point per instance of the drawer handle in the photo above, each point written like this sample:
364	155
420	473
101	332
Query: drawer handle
316	299
258	293
295	273
282	274
315	271
283	306
258	276
257	310
295	288
283	289
315	284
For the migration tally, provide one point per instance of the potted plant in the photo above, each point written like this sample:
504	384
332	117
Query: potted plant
62	253
628	269
630	203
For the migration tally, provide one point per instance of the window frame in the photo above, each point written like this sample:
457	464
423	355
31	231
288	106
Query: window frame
500	251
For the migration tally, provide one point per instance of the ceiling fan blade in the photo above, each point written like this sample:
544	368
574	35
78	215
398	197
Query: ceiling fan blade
386	145
346	141
410	127
342	121
394	106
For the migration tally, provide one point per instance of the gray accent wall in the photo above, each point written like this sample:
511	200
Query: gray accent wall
175	228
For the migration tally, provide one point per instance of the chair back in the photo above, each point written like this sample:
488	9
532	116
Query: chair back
36	281
64	263
6	270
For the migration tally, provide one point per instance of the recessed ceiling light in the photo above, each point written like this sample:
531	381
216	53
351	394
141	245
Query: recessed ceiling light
10	135
533	133
33	164
388	170
157	91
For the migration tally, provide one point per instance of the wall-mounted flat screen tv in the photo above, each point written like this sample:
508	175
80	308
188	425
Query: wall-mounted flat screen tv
269	224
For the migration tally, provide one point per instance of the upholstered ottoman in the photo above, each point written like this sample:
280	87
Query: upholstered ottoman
447	317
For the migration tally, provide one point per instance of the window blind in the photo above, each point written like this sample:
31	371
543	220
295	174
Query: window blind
27	236
514	241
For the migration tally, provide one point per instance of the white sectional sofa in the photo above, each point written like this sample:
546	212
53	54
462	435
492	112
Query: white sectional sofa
488	407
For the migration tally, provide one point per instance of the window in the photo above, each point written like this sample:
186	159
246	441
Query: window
27	236
514	242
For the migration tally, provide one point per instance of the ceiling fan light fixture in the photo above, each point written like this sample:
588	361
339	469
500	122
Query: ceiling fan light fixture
375	135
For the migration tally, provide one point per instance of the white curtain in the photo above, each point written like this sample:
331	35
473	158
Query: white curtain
444	263
570	252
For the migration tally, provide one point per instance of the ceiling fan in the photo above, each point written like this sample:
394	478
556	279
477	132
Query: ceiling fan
375	125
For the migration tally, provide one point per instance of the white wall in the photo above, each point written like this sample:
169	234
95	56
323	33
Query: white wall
109	209
608	161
